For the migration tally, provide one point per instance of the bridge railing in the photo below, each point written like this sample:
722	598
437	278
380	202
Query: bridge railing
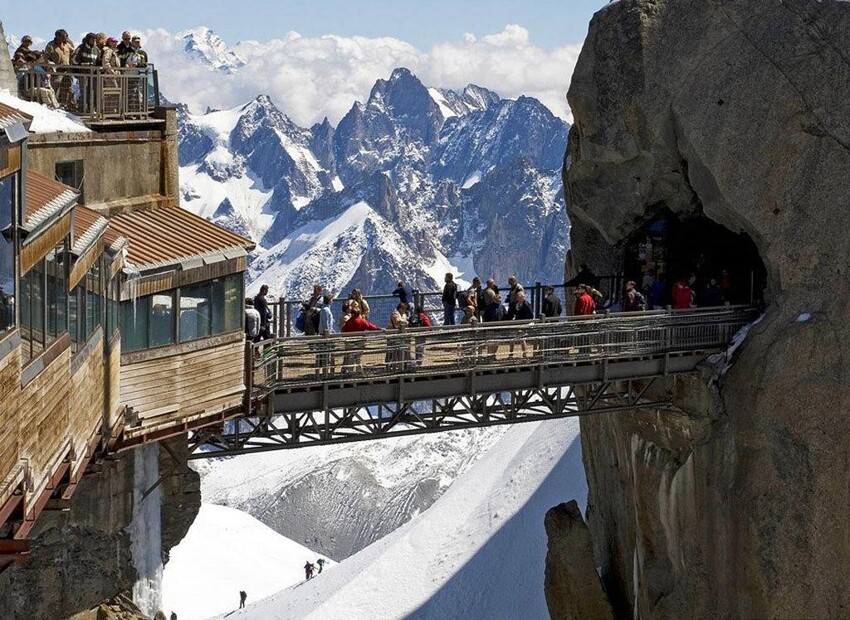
285	311
93	93
291	363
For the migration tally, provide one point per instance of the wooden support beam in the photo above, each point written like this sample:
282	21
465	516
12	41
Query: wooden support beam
11	546
10	506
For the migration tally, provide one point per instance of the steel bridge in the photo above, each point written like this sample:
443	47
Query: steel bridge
355	387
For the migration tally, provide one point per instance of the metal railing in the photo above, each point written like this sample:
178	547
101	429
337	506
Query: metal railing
285	311
287	363
93	93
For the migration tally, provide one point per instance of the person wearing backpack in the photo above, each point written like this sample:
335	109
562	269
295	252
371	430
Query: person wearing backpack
252	321
634	301
449	300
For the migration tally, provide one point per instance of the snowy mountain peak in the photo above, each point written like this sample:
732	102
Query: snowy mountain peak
208	48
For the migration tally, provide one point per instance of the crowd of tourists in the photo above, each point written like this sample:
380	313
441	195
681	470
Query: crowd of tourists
45	75
483	303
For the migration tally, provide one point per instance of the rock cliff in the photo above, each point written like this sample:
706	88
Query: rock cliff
83	556
736	111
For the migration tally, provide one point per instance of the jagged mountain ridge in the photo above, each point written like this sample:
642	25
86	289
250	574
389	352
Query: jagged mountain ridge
415	182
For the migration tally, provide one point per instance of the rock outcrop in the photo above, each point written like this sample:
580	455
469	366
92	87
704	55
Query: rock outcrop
737	111
569	564
84	555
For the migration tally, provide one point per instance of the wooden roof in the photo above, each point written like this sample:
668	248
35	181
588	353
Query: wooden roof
44	198
169	235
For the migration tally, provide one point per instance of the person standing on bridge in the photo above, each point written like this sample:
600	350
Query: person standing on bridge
520	310
252	321
515	290
325	359
449	300
634	301
404	293
354	349
584	302
682	295
363	305
551	304
262	306
419	318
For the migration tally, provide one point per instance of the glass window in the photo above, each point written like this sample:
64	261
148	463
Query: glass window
195	312
32	312
7	255
93	301
56	292
161	320
112	307
135	324
233	303
71	173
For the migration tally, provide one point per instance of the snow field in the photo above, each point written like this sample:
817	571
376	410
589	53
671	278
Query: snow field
478	552
225	551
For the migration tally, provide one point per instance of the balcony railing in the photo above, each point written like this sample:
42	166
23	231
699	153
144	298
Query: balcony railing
94	94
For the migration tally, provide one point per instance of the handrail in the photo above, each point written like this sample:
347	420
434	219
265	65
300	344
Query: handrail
93	93
287	363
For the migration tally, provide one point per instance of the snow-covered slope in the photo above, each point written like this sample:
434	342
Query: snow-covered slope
339	499
478	552
225	551
419	160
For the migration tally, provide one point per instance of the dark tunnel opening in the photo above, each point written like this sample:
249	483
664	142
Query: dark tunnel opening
718	265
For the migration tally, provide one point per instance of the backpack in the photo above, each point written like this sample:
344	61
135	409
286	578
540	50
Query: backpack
462	299
301	321
414	320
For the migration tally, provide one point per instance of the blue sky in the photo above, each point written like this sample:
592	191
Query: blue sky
423	23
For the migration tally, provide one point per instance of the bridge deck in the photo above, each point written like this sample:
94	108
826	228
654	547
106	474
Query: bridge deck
354	387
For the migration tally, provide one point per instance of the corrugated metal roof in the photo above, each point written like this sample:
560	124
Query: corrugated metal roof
9	116
87	228
170	235
44	199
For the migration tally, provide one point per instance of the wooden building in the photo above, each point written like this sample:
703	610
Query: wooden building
121	321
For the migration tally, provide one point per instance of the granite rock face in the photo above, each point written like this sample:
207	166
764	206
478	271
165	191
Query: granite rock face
569	562
82	557
737	111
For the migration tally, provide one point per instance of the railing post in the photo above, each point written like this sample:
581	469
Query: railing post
249	377
538	300
278	315
288	323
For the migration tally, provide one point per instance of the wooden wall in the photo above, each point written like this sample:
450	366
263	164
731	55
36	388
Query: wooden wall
10	385
88	395
56	414
168	390
43	421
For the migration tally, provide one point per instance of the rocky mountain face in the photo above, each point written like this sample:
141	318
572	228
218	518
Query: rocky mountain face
735	111
413	183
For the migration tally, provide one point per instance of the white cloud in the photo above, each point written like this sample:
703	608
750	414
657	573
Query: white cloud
313	77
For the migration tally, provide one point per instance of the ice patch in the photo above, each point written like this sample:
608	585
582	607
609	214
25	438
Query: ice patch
472	180
805	316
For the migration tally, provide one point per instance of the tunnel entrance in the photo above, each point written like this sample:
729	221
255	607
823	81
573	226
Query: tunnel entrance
718	265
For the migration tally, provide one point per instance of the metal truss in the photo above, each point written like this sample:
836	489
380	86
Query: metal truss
369	422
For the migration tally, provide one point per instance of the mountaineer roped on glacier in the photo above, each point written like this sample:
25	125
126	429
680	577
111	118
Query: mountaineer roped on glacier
478	552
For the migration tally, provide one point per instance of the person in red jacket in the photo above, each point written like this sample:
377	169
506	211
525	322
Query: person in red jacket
584	302
682	295
352	360
357	323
